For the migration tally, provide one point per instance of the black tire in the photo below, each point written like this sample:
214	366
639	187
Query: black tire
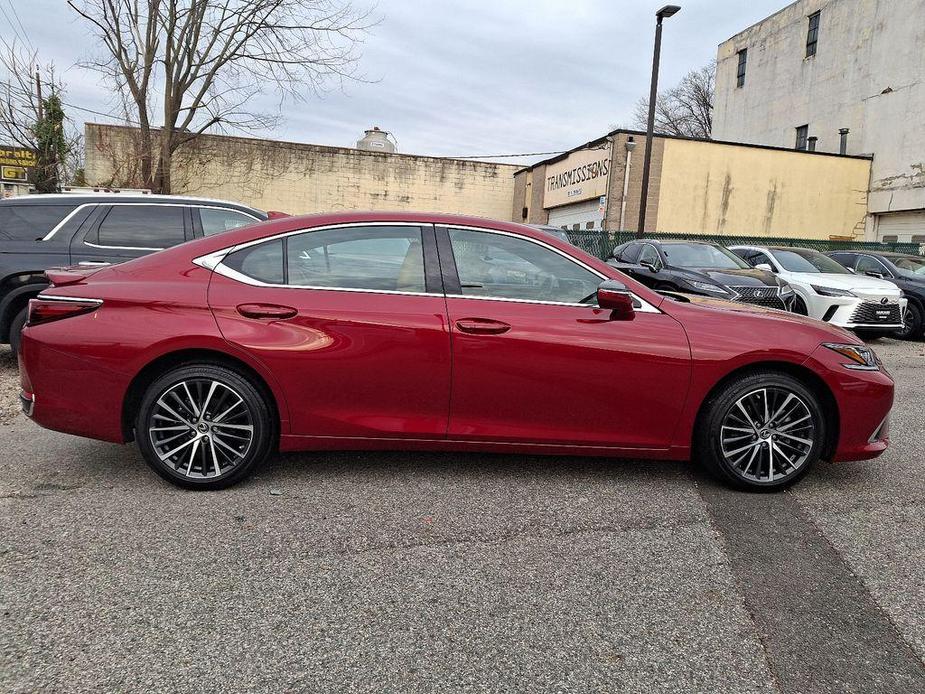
799	306
16	326
218	456
913	323
713	450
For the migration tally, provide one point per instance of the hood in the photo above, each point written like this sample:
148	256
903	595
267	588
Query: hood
862	285
733	277
827	331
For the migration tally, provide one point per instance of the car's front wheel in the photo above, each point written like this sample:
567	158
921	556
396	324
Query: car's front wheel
913	326
761	432
204	426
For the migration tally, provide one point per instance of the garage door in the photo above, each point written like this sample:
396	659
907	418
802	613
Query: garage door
904	227
581	215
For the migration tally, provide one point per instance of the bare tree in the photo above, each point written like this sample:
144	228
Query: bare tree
202	63
685	109
33	119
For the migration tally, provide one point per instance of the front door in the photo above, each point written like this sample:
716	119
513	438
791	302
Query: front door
353	322
535	360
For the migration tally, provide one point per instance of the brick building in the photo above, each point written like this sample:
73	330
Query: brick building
305	178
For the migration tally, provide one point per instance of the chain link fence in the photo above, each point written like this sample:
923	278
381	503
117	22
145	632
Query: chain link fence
602	242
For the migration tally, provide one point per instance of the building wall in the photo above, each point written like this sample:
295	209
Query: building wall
709	187
866	76
300	178
714	188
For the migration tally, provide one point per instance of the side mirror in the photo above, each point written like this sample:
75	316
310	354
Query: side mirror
874	273
651	267
613	295
765	267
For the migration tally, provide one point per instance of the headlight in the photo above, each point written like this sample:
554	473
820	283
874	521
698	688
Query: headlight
703	286
862	357
831	291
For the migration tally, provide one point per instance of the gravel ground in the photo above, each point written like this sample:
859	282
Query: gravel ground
9	386
393	572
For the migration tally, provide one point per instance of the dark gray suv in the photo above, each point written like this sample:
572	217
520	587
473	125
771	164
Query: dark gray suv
38	232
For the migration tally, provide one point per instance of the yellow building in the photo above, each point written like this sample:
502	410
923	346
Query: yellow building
304	178
697	186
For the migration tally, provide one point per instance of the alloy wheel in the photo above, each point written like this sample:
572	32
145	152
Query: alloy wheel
767	435
201	428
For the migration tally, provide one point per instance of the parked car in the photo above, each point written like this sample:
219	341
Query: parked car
43	231
905	271
705	269
438	332
827	291
558	232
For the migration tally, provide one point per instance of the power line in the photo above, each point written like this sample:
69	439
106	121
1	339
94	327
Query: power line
25	33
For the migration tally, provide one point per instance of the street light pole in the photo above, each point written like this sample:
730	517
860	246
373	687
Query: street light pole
666	11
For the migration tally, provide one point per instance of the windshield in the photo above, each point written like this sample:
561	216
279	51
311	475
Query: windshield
805	260
909	266
702	255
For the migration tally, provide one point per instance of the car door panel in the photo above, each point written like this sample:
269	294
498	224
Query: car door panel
354	363
566	374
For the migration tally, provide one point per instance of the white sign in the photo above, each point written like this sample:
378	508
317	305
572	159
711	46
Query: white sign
582	175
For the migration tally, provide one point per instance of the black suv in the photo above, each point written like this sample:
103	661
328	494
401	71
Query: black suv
905	271
38	232
696	267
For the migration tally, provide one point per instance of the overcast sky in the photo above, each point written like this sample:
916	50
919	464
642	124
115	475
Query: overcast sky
465	77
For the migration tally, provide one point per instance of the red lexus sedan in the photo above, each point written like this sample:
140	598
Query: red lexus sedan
422	331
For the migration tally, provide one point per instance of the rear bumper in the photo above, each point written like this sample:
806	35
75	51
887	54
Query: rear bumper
53	381
864	400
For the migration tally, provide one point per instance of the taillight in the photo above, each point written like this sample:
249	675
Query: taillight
46	310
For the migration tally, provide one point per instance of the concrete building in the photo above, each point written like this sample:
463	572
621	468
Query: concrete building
304	178
819	71
696	186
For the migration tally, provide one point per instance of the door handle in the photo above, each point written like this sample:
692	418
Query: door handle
267	311
482	326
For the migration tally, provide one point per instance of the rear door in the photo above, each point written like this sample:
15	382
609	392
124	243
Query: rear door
533	363
122	231
352	320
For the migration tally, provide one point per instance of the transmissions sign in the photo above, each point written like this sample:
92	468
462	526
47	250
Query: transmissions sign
15	163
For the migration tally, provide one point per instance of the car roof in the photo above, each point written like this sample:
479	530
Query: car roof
660	242
103	198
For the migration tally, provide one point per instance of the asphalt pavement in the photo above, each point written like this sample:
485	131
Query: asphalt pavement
411	572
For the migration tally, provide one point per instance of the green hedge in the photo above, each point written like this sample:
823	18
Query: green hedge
601	243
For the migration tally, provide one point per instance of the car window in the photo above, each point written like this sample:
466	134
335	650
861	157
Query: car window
757	258
263	262
629	252
649	255
805	260
845	259
376	257
868	264
142	226
909	265
215	220
501	266
30	222
702	255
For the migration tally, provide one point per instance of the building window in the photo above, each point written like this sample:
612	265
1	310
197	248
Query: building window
812	35
802	137
740	73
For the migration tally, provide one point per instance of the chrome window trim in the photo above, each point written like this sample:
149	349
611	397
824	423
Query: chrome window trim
148	203
213	261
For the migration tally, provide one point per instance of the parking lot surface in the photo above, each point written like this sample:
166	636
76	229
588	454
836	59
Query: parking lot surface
410	572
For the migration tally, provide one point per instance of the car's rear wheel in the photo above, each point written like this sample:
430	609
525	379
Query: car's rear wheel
912	323
762	432
204	426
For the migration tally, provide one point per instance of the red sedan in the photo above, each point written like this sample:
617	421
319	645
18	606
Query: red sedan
420	331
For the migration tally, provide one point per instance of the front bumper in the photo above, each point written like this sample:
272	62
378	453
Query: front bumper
856	313
863	400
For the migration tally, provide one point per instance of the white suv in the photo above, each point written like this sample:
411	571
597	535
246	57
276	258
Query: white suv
827	291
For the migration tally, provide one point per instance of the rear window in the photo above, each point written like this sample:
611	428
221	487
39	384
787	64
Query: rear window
142	226
30	222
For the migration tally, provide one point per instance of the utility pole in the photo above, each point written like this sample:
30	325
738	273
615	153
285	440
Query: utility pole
666	11
38	91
